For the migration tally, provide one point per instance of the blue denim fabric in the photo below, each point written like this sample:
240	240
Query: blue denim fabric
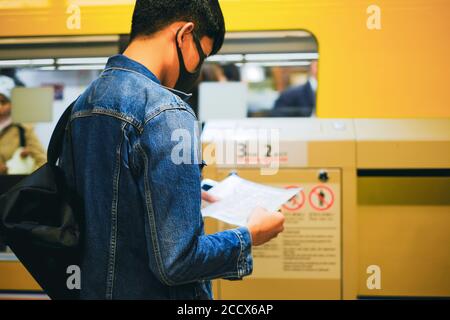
144	235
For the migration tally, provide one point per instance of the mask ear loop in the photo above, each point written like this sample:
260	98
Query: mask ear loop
201	53
180	53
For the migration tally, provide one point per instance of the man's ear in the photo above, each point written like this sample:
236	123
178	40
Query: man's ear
187	29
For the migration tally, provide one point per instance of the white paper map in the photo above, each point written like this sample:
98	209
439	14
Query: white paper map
239	197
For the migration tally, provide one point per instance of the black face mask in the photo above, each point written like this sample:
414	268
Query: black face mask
186	79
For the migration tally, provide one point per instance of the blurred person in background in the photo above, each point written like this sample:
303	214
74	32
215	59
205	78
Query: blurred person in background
232	72
20	150
303	96
213	73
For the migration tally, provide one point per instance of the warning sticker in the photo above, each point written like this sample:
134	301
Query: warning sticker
297	202
321	198
309	247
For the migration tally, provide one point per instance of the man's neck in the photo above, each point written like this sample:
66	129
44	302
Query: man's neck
154	55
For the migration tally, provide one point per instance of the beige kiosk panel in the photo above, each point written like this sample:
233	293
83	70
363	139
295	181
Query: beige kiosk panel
305	261
403	144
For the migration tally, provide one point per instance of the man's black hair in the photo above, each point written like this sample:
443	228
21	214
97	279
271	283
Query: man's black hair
151	16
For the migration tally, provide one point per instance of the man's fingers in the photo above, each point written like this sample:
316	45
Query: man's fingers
208	197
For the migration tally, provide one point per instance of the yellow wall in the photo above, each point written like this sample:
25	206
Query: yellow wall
400	71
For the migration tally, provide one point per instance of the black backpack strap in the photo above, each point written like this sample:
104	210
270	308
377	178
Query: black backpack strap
22	139
57	139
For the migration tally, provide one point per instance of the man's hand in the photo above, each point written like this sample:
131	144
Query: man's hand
208	197
265	225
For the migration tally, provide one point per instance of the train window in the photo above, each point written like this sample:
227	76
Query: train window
278	69
268	74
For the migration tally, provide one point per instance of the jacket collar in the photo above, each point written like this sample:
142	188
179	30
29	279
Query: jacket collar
121	61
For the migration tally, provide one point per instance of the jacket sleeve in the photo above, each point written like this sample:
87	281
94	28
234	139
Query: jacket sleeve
169	182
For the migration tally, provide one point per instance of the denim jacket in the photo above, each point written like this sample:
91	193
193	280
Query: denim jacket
143	229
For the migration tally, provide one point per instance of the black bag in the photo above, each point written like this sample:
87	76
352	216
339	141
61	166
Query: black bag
41	219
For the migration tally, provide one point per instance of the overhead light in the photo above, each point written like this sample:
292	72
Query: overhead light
253	73
50	68
266	35
284	64
28	62
281	56
82	61
226	58
82	67
14	62
42	62
276	64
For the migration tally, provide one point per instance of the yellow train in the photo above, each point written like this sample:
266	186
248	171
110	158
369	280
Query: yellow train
398	71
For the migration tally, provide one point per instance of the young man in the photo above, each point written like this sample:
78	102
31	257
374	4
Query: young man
144	235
